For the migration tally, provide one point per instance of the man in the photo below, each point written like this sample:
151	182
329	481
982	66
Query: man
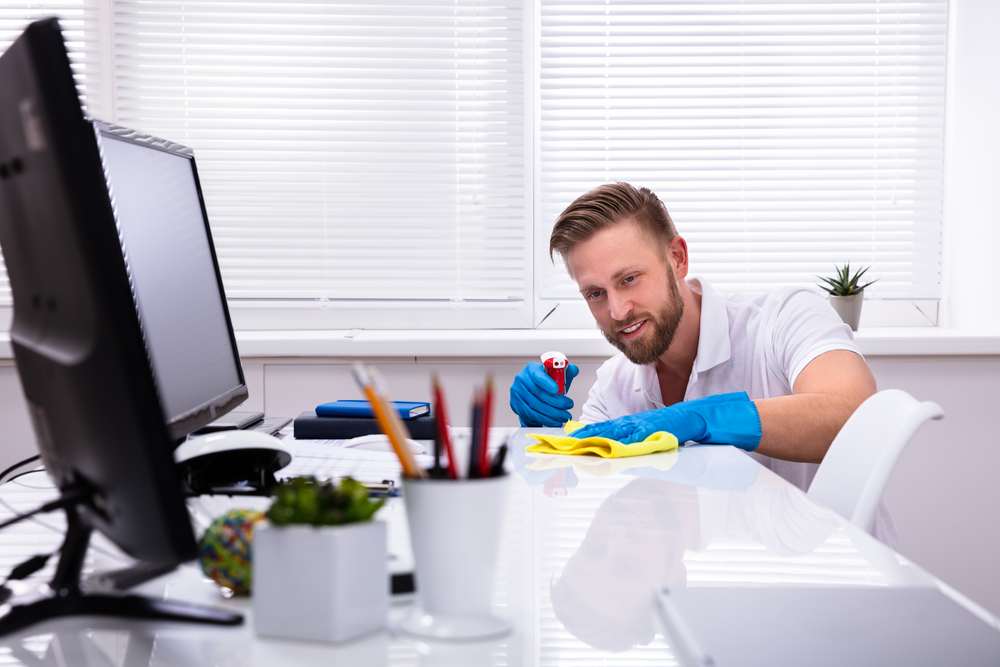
775	374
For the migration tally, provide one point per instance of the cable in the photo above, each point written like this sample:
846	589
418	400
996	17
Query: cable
71	497
60	530
14	467
22	474
23	571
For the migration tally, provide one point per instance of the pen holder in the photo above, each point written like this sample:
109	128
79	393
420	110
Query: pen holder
455	528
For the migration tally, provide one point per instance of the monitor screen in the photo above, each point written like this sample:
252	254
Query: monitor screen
160	213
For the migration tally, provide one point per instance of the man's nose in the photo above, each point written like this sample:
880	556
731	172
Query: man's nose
620	306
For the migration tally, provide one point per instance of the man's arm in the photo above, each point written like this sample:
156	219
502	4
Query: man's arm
801	427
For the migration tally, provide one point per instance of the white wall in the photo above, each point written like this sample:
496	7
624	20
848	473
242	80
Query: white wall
970	270
943	494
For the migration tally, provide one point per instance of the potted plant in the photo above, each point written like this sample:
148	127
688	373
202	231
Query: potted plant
319	562
845	294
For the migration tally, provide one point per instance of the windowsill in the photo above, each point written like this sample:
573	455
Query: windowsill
359	343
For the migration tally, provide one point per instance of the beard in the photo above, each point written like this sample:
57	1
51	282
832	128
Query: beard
662	328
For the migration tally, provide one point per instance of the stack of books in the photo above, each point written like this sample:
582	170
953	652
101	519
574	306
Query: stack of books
351	419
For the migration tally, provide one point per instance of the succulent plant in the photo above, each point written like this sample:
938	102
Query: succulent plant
306	500
845	284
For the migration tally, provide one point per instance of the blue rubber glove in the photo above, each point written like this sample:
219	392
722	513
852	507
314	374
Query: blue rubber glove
534	400
729	419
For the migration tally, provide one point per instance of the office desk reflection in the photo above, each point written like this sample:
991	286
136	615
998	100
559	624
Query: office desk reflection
585	543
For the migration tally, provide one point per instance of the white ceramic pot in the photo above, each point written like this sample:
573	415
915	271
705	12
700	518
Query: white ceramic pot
326	583
849	308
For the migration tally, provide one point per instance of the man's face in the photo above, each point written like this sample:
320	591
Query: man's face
631	290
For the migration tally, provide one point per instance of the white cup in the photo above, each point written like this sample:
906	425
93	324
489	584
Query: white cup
455	529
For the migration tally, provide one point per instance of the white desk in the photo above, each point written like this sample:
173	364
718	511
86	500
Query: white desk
585	542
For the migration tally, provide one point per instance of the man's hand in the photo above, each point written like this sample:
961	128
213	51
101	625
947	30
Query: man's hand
534	400
722	419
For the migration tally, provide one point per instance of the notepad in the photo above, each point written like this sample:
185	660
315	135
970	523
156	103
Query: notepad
356	408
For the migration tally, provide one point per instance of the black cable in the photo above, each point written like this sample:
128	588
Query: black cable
36	563
14	467
59	529
71	497
22	474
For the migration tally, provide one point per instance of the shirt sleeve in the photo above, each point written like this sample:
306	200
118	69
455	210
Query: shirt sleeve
805	326
594	410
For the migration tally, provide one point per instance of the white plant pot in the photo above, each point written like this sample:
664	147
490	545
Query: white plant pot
849	308
326	583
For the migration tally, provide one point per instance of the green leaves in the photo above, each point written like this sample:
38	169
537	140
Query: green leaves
845	284
305	500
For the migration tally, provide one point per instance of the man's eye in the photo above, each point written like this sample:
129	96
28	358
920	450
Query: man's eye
595	295
629	279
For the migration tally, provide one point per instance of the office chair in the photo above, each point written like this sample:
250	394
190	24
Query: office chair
856	468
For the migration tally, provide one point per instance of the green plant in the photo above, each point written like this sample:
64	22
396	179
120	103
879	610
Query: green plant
305	500
845	284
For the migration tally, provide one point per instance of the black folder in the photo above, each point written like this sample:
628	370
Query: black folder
310	427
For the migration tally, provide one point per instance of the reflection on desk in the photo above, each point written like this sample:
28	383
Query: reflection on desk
575	576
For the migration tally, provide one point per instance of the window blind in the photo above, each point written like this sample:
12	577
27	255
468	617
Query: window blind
79	21
783	137
383	153
348	151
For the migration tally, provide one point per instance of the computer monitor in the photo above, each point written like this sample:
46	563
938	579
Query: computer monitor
113	319
158	205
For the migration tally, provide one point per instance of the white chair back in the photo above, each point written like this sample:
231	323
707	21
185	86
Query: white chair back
856	468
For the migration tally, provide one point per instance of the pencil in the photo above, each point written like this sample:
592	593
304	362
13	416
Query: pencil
402	433
383	414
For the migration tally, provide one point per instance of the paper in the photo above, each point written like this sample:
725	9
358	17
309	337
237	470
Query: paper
326	459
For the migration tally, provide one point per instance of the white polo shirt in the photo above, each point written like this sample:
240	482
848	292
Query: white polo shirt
757	343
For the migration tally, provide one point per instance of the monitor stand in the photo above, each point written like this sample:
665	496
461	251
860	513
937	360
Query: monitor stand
70	600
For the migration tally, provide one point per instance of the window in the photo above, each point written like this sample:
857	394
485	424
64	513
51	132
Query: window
783	138
399	165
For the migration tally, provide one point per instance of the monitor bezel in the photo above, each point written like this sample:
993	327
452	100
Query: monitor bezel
201	415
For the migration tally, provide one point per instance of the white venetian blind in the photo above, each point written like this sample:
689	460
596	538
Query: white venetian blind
782	136
347	151
78	19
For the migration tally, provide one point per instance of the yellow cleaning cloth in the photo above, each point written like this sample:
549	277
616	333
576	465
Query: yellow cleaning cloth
661	441
596	466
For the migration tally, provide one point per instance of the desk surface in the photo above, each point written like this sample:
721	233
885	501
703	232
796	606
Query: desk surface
585	543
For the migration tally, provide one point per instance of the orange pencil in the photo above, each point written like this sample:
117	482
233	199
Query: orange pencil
383	414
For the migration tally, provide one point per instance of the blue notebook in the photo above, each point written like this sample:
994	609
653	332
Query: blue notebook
354	408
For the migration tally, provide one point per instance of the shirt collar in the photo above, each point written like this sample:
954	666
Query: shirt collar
714	347
713	339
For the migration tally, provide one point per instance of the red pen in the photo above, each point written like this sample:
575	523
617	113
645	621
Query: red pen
441	418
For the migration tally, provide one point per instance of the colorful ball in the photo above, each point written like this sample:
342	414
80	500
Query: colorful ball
225	549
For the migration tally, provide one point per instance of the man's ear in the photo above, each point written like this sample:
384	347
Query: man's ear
677	255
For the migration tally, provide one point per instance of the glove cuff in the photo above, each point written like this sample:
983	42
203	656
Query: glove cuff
732	421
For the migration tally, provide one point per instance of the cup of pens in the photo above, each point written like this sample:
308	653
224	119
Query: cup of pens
455	519
455	532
